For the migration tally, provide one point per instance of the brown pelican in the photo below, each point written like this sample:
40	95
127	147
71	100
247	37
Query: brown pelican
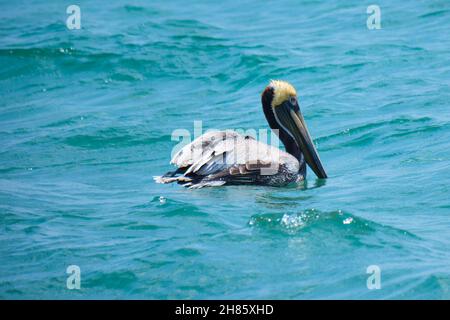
226	157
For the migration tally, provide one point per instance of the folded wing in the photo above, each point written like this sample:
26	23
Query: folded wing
221	157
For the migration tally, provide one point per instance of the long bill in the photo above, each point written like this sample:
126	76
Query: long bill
292	120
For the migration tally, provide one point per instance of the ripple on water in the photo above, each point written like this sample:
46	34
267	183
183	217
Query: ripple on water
296	223
293	223
120	280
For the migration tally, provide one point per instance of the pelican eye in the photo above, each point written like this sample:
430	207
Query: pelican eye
292	100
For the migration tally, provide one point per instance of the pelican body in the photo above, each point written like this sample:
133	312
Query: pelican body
229	158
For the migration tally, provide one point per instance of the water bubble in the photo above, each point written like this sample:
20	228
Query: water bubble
348	220
292	221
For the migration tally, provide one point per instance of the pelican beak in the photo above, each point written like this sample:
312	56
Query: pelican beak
289	117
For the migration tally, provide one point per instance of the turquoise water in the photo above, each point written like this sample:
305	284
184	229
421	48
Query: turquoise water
86	119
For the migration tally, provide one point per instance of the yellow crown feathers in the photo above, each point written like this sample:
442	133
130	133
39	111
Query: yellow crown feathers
282	91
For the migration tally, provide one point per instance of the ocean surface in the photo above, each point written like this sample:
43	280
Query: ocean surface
86	121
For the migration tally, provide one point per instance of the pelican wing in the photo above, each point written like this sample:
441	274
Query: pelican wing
216	158
203	145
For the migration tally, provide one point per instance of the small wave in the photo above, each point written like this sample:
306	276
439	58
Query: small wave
113	138
296	223
189	24
368	133
293	223
434	14
111	280
134	8
66	122
168	208
185	252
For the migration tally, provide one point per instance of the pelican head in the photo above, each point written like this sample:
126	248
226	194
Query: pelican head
282	111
